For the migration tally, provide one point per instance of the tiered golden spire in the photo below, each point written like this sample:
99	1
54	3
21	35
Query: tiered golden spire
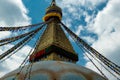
53	11
54	44
53	2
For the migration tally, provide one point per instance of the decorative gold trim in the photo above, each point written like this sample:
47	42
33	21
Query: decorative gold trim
52	14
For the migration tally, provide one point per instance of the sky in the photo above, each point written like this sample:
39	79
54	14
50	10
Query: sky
95	21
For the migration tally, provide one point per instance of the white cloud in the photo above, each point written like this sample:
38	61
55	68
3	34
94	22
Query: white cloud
15	60
4	34
68	22
105	25
108	19
79	29
89	3
107	28
93	3
12	13
88	39
73	10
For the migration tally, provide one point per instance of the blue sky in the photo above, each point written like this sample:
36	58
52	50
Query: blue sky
95	21
36	9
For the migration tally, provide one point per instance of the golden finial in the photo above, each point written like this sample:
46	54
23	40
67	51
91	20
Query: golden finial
53	2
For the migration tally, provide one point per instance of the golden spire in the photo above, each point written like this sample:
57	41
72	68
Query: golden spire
54	45
53	2
53	11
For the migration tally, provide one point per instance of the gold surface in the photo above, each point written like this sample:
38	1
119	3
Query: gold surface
52	14
54	35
